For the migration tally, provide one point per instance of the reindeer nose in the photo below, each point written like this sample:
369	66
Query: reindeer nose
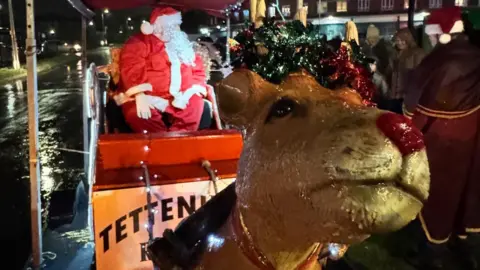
401	131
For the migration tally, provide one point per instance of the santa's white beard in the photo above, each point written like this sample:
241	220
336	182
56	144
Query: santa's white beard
177	43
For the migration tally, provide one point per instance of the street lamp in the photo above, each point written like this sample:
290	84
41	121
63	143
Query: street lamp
104	29
129	19
90	23
52	31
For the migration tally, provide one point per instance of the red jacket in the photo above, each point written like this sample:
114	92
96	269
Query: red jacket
145	67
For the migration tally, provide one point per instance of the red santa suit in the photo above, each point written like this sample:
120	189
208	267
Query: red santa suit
174	88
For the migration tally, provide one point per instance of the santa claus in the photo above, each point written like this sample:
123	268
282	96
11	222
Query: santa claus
163	80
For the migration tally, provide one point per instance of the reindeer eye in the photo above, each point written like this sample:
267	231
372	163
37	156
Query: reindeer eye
280	109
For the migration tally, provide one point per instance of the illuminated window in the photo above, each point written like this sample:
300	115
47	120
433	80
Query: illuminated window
236	14
363	5
271	11
434	3
286	10
322	7
387	5
461	3
405	4
342	6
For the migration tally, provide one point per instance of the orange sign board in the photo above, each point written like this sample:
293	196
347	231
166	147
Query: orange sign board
120	219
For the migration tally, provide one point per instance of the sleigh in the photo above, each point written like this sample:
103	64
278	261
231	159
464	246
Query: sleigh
143	184
137	185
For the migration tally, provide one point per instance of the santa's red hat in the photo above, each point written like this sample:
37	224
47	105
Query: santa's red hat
443	22
161	17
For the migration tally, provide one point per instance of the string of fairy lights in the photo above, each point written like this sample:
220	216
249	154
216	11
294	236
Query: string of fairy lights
145	177
232	8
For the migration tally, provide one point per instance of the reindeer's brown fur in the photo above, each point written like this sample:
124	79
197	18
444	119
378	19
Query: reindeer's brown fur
298	176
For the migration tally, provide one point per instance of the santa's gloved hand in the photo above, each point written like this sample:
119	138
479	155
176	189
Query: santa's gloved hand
180	103
143	106
159	103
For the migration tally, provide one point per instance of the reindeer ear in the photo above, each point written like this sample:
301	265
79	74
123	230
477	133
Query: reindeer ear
241	95
303	81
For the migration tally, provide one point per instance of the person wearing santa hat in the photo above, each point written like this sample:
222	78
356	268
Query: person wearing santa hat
443	99
444	24
163	80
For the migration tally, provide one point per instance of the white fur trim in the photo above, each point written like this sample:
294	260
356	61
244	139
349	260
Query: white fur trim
172	19
433	29
144	87
445	38
146	28
159	103
457	27
175	73
121	99
181	101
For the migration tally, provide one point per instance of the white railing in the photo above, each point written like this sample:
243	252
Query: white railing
93	102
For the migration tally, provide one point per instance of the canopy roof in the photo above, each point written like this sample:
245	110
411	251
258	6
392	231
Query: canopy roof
214	7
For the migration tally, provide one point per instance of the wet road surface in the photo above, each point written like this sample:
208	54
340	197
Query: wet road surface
60	113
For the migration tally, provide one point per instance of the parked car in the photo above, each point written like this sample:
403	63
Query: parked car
57	46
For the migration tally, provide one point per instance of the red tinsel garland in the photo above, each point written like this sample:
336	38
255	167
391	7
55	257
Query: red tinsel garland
352	74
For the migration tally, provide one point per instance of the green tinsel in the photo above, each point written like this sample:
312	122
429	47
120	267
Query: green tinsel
291	46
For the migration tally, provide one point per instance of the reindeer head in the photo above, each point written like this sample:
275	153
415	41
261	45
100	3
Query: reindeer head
317	165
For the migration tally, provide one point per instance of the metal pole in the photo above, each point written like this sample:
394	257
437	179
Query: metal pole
411	14
228	36
13	35
104	32
85	88
35	176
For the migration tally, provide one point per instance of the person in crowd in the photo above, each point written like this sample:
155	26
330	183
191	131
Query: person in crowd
407	57
377	47
443	99
380	83
335	43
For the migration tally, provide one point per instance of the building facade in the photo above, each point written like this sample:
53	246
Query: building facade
330	15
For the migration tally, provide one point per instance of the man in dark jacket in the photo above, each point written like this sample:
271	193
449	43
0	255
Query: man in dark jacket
376	47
